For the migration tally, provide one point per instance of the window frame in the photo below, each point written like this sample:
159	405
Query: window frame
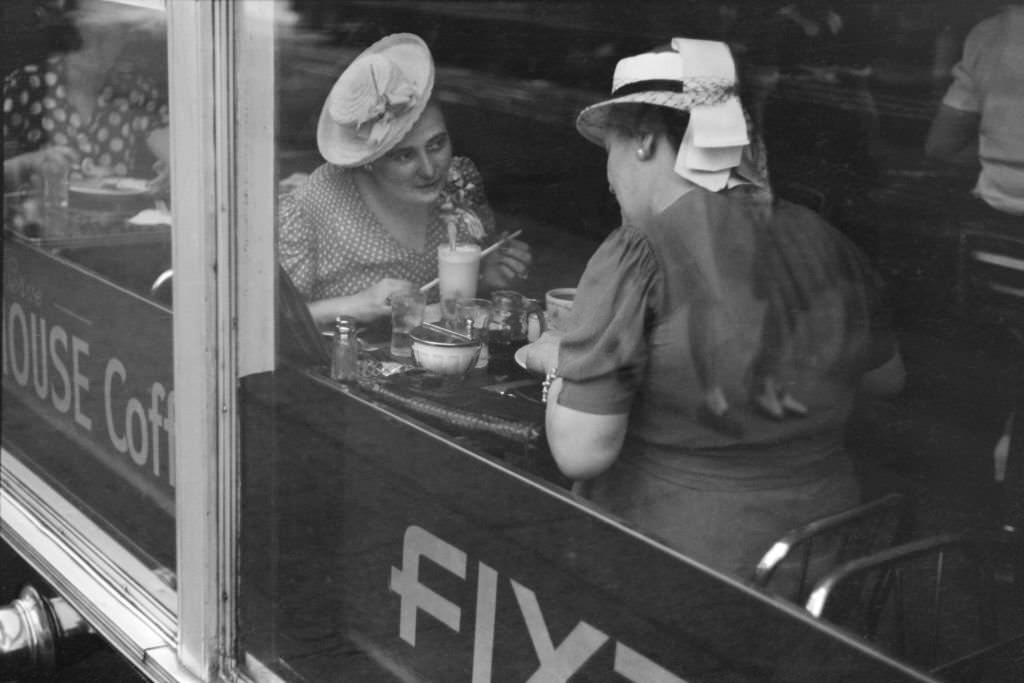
130	607
127	604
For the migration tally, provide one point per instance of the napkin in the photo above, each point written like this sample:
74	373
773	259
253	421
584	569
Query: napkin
151	217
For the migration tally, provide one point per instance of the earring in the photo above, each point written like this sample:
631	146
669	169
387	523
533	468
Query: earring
641	153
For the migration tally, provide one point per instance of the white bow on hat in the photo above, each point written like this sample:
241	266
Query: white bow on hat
699	77
717	133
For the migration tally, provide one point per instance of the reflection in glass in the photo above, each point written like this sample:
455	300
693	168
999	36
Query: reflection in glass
343	487
88	392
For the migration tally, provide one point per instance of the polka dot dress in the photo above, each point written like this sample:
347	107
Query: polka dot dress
37	113
331	243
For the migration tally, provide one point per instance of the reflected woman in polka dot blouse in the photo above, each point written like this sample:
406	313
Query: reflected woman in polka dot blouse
367	223
91	107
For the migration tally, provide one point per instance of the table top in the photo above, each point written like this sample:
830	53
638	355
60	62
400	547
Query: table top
101	220
508	426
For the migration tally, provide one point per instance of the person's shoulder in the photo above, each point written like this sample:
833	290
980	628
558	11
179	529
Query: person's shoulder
695	205
328	174
630	241
795	217
325	180
797	212
986	33
800	225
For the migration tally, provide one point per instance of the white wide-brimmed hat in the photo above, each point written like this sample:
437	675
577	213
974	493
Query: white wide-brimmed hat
696	76
376	100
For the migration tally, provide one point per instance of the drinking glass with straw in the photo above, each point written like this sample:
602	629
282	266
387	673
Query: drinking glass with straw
451	249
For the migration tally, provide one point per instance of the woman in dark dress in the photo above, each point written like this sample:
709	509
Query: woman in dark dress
719	337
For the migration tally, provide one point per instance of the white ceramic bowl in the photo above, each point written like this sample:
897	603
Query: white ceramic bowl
441	354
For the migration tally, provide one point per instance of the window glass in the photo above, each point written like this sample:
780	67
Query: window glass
87	371
836	320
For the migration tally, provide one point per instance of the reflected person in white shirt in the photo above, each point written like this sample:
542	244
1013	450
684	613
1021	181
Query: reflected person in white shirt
981	118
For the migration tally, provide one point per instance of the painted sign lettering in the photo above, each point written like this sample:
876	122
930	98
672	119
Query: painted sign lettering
557	661
94	361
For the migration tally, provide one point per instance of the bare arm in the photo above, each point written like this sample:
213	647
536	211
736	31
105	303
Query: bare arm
19	168
365	306
953	136
583	444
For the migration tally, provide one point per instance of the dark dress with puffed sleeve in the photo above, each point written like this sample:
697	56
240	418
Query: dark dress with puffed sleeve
734	334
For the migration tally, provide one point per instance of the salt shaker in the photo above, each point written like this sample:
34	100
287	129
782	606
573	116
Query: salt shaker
344	350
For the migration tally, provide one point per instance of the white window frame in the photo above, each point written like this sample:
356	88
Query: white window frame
199	194
131	609
225	281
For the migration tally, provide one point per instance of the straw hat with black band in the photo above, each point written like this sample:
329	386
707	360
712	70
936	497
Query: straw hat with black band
376	101
699	77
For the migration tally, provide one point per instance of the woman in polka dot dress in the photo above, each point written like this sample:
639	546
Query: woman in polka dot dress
367	223
90	107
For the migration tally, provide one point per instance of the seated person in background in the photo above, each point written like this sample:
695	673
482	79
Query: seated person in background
718	338
981	119
368	222
92	107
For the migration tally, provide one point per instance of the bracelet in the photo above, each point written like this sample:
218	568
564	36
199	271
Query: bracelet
545	386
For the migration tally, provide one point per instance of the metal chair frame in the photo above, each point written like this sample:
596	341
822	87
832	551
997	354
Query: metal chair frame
990	278
864	588
859	531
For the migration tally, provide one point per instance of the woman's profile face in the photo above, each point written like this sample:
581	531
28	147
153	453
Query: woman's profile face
414	171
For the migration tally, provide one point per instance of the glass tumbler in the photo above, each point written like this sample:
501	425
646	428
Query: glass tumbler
406	313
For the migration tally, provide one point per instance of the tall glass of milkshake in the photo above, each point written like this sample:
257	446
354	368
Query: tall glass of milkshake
457	270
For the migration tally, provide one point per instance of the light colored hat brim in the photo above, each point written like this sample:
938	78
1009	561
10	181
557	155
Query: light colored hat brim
592	121
339	144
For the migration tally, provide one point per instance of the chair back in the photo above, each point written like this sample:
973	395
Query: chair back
990	282
803	555
927	601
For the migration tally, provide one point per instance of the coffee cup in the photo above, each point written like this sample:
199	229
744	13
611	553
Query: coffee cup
558	303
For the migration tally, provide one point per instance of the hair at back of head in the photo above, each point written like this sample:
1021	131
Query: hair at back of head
637	118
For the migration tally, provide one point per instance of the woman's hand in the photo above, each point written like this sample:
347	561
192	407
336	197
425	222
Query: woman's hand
376	300
542	355
507	266
20	168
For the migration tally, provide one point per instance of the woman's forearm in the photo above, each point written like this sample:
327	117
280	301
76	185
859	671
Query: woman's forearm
366	306
325	311
583	444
